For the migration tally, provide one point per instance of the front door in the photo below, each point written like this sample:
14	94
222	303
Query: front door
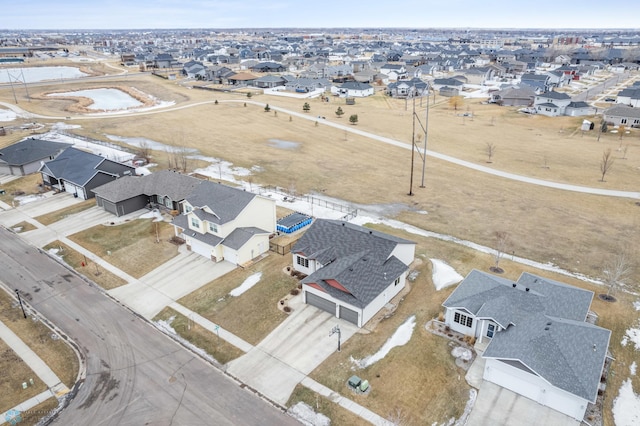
491	328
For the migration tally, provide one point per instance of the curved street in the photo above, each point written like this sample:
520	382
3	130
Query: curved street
134	374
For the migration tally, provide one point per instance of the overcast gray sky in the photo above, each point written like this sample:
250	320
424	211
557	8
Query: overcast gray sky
119	14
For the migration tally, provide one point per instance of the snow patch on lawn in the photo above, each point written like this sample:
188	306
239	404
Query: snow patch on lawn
632	368
64	126
444	275
632	335
26	199
636	305
400	338
165	327
473	395
7	115
305	415
246	285
463	353
153	214
626	406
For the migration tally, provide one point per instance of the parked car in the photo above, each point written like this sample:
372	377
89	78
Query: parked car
609	99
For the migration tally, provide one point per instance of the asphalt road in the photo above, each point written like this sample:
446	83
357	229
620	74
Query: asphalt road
135	375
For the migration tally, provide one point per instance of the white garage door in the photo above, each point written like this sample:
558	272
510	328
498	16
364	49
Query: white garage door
200	248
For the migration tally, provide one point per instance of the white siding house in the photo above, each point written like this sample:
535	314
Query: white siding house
224	223
539	343
353	272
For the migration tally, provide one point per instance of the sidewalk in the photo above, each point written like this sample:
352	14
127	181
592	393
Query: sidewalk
26	405
38	366
346	403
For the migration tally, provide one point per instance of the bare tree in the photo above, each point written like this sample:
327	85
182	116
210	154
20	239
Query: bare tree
144	150
502	241
182	159
606	163
490	149
617	271
624	151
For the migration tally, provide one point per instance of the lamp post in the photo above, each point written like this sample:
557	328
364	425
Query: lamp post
22	306
334	330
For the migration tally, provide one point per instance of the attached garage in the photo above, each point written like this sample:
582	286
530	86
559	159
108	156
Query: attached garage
321	303
200	247
348	315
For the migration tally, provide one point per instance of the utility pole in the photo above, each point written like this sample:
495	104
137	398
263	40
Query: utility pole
25	314
334	330
414	147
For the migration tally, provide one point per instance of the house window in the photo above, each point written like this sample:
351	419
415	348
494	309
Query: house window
187	208
195	222
213	227
397	281
303	261
623	121
491	329
463	319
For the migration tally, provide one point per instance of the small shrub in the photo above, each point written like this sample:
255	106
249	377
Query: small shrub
287	309
440	317
216	102
446	328
294	292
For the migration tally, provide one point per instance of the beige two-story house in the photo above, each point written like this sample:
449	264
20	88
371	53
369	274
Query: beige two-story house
225	223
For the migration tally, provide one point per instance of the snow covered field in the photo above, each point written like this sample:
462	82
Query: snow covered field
35	74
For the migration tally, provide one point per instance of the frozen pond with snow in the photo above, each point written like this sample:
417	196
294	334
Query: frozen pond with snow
105	99
35	74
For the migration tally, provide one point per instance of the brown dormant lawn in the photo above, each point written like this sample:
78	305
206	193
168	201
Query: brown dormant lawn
57	354
253	314
130	246
202	338
85	267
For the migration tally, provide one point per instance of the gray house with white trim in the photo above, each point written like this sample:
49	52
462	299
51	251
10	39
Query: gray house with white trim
165	188
540	345
622	115
352	271
78	172
25	157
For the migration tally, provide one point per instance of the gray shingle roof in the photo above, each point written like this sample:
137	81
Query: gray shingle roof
30	150
166	183
356	257
545	327
79	167
568	354
239	236
622	111
226	202
555	95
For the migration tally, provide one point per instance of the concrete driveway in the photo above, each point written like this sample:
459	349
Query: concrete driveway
498	406
290	352
70	225
169	282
